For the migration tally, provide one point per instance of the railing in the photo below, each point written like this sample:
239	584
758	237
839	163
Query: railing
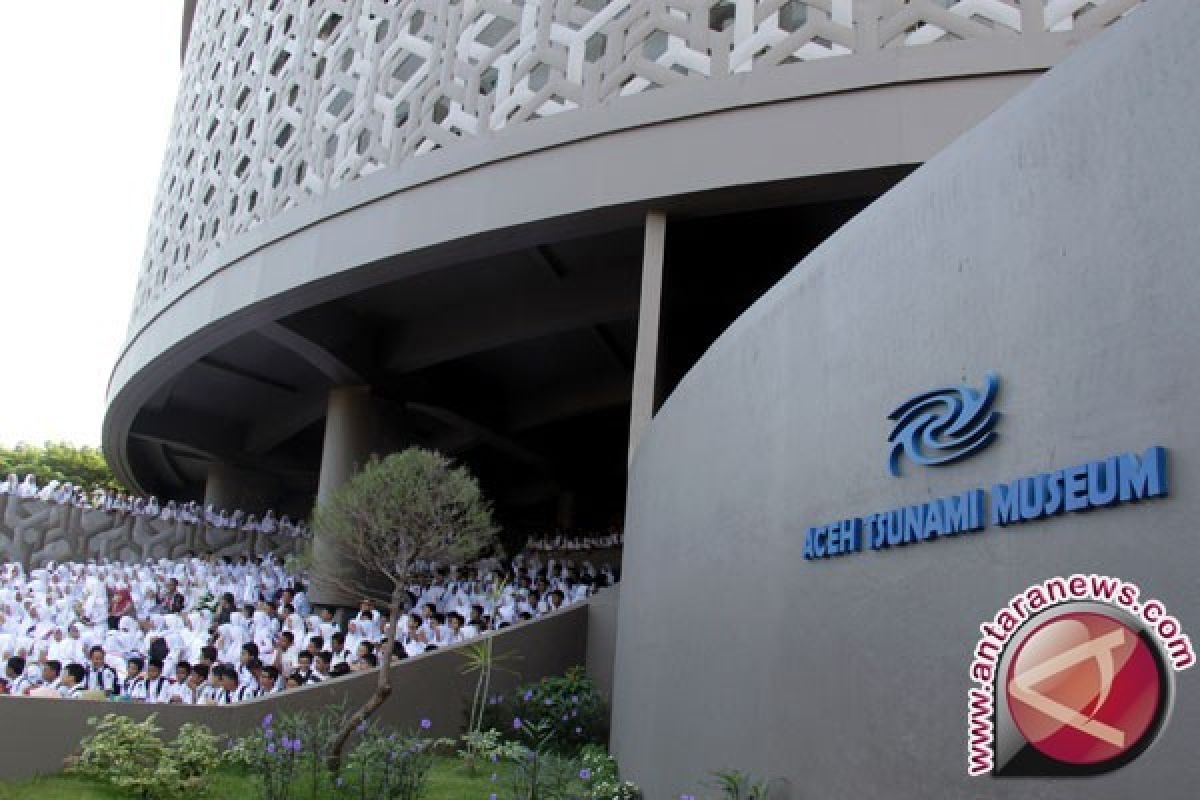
282	101
33	532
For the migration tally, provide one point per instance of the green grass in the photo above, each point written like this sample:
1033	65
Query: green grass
447	781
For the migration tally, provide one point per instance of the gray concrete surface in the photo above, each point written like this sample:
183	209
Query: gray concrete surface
1057	243
567	176
33	532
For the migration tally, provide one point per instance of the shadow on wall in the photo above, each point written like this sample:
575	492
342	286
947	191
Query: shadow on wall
33	532
430	686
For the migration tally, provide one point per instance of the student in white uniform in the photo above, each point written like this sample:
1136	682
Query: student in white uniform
14	672
72	680
188	692
157	687
52	675
99	674
134	685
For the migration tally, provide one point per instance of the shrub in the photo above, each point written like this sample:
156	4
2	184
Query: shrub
389	766
599	772
486	746
195	752
734	784
130	756
568	706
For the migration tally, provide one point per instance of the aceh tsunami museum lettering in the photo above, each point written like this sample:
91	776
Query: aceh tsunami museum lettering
965	416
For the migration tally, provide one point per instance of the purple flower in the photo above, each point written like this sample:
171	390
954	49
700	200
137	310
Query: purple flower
362	727
267	720
492	796
495	758
516	723
548	702
564	717
578	730
528	695
271	748
286	742
585	774
426	724
295	745
575	699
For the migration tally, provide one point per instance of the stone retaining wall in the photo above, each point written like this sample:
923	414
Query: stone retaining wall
33	532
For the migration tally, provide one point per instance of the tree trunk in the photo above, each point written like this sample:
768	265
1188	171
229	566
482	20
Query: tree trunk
382	690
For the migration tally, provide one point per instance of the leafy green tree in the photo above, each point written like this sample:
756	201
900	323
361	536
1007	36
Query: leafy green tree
59	461
407	508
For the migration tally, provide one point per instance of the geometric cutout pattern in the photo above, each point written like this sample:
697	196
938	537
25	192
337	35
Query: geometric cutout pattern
283	101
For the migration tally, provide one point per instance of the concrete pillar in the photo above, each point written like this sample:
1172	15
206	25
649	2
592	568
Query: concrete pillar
565	516
645	368
219	486
228	487
350	426
349	434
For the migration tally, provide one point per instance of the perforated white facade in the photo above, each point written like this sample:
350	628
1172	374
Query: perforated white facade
285	100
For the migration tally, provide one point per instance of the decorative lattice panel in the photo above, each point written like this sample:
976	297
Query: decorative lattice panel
283	100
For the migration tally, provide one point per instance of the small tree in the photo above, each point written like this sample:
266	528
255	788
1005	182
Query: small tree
410	507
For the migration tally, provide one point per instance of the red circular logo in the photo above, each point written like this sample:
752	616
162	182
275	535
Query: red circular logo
1084	688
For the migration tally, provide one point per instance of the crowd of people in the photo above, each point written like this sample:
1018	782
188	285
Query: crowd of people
560	541
99	498
220	631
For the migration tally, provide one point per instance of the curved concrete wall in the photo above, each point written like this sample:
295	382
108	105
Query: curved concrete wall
284	102
430	686
292	179
1056	243
33	532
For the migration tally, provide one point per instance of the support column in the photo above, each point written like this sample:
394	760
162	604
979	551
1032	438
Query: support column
566	510
349	431
349	435
228	487
645	368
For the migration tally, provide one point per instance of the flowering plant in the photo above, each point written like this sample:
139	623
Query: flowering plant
600	774
391	766
568	706
274	755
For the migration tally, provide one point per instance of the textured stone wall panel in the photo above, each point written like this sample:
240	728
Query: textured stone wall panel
34	533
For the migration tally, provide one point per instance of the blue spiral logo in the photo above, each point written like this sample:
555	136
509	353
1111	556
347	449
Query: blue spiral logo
944	425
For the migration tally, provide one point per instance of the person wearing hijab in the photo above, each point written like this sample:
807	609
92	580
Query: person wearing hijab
28	488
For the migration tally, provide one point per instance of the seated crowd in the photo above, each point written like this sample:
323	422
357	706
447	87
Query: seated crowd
101	499
219	631
560	541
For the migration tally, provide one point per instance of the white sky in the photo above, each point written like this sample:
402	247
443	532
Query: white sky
88	94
